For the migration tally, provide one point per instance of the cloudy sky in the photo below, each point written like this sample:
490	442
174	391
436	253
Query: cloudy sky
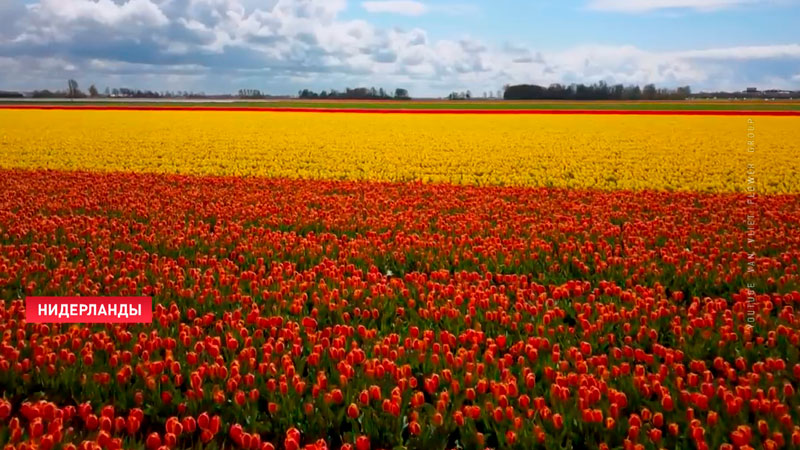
430	47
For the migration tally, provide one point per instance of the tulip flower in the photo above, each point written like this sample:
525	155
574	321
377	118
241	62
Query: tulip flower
352	411
362	443
153	441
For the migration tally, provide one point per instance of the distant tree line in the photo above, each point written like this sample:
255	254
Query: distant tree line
46	93
360	93
138	93
251	93
10	94
465	95
750	93
73	91
597	91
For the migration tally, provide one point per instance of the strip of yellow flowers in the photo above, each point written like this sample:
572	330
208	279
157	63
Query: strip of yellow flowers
687	153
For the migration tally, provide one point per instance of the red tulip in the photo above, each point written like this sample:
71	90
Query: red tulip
132	425
153	441
206	436
363	397
203	420
655	435
92	422
362	443
352	411
189	424
458	417
236	432
5	409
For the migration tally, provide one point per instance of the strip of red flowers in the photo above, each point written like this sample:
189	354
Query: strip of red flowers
647	112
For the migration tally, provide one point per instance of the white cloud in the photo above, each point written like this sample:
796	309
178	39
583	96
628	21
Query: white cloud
415	8
105	12
790	51
639	6
282	45
404	7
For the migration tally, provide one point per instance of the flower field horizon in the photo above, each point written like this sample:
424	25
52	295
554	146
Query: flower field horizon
402	281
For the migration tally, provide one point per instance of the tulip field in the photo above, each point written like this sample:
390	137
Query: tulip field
634	152
392	281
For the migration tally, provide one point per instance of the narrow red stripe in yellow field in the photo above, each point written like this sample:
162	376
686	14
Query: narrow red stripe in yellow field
415	111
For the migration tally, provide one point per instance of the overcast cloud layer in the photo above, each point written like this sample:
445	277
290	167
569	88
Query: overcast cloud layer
281	46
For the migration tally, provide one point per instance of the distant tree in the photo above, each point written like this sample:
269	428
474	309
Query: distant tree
72	89
401	94
93	91
632	93
524	92
601	91
649	92
617	91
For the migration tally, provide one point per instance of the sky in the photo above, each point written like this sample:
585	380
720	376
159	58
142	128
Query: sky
430	47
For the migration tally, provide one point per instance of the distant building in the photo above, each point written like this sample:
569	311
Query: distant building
751	90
